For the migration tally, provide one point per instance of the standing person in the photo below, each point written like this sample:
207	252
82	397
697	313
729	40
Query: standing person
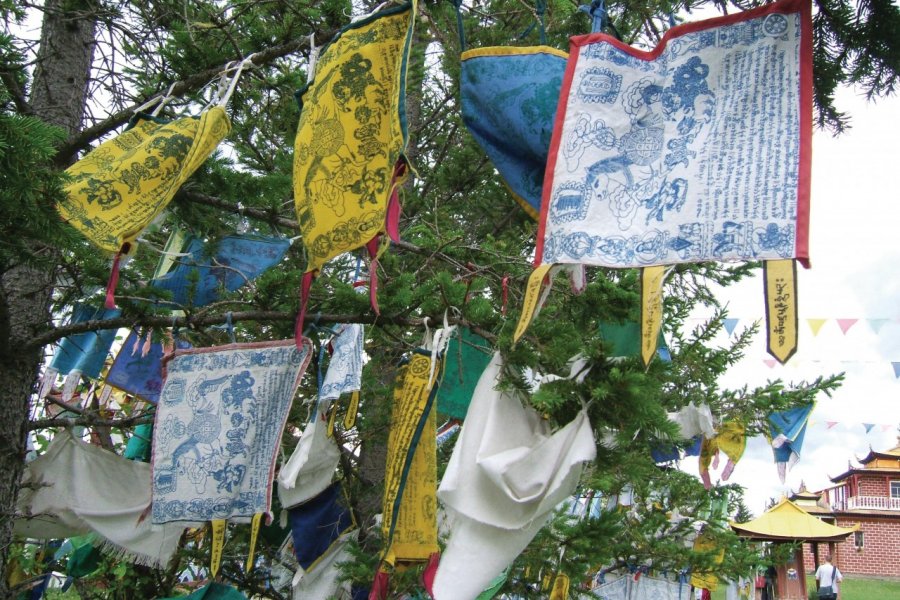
827	579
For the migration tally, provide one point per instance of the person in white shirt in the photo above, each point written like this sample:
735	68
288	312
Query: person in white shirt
828	575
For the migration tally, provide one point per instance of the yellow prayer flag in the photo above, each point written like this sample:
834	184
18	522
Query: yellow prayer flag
532	297
651	310
560	589
351	135
409	525
118	188
781	308
218	544
254	534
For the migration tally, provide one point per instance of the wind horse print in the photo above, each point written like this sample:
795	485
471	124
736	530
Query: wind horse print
351	135
697	150
218	424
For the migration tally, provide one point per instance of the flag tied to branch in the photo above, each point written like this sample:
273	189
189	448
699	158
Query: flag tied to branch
694	151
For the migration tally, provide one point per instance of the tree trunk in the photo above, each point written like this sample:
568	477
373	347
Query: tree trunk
58	96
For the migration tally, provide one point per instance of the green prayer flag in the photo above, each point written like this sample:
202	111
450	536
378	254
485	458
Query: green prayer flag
466	358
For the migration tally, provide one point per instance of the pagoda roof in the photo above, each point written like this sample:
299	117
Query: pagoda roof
892	454
788	522
864	471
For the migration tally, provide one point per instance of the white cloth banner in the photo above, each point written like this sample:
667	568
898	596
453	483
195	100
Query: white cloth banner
694	420
344	374
75	488
696	150
322	580
507	473
311	467
218	427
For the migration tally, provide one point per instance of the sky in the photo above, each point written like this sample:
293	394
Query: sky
855	257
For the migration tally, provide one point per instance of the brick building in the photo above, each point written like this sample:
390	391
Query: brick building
867	495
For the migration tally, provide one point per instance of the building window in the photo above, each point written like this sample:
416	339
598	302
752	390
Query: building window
858	540
895	489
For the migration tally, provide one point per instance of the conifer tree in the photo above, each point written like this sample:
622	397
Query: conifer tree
464	251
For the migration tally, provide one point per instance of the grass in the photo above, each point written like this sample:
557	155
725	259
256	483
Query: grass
852	588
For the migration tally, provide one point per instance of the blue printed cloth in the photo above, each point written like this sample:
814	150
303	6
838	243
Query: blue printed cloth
138	375
509	98
696	150
227	264
787	429
317	524
85	352
344	374
218	426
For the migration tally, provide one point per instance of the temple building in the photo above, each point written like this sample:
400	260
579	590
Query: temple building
867	496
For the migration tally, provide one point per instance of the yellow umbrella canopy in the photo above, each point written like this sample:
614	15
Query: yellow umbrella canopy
788	522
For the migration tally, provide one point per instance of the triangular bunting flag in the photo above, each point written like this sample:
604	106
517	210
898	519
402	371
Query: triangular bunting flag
815	325
830	424
885	426
868	426
846	324
730	324
877	324
896	366
769	362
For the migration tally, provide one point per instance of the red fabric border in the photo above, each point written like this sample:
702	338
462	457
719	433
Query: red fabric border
804	7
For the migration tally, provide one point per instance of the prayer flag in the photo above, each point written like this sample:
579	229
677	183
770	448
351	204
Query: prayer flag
317	524
344	374
696	150
137	373
228	264
76	488
120	186
85	352
466	357
352	134
218	425
787	430
507	473
509	97
409	524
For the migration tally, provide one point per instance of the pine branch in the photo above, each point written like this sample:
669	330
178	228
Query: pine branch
269	216
197	322
82	139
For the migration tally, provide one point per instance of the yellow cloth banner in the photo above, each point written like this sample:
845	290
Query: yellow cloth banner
707	580
560	589
218	544
410	502
651	310
532	298
351	135
118	188
352	411
254	535
731	439
781	308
